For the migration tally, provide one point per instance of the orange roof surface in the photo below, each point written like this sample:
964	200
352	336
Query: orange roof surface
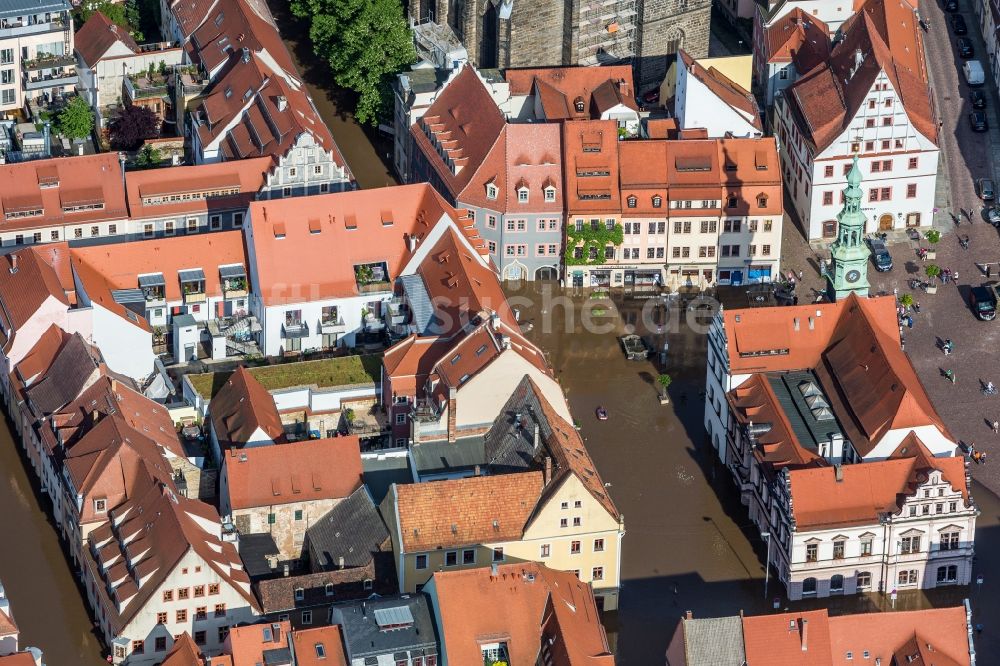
184	652
463	123
306	248
38	360
248	643
242	406
559	89
295	472
105	268
41	193
590	150
473	510
97	35
18	659
937	636
800	38
827	99
321	646
525	155
248	175
7	624
868	489
530	606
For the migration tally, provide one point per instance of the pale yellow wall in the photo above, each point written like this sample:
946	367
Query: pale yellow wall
738	69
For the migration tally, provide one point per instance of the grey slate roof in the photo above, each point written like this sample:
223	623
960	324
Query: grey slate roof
363	638
352	530
510	443
67	377
254	549
380	473
716	641
443	457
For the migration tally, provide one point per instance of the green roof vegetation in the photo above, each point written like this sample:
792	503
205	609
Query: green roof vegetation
341	371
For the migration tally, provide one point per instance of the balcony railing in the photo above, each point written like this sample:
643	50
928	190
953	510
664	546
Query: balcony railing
332	324
425	411
47	62
51	80
298	329
154	295
193	292
234	288
371	287
22	29
142	88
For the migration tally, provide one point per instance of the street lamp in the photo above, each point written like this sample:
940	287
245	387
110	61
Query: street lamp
767	560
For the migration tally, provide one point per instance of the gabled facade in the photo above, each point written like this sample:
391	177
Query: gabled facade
785	49
707	98
871	98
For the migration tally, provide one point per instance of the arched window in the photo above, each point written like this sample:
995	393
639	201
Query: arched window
808	587
836	584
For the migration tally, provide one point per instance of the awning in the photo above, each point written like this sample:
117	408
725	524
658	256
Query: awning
227	272
125	296
193	275
154	280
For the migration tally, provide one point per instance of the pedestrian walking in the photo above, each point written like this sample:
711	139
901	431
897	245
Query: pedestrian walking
916	307
954	277
909	321
801	275
996	427
950	375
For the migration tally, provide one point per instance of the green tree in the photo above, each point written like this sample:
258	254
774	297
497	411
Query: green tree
124	14
366	42
76	120
148	157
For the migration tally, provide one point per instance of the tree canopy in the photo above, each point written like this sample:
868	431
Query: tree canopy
124	14
148	157
365	42
132	126
76	120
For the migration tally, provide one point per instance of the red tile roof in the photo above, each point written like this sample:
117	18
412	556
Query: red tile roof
886	33
249	176
53	185
26	282
533	609
525	155
18	659
798	37
7	624
184	653
248	643
306	248
307	641
940	636
559	89
296	472
458	130
461	512
590	149
242	406
869	489
97	35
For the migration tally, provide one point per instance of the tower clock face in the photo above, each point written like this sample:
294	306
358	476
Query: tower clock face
853	276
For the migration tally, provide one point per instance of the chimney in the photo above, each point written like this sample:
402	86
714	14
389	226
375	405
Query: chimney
282	102
805	635
411	243
548	470
537	439
13	263
246	54
477	471
340	562
452	416
838	473
688	615
494	570
276	632
114	386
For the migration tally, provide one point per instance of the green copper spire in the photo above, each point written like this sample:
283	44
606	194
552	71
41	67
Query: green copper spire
849	253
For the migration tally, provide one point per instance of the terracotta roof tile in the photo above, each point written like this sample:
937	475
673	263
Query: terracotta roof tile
242	406
97	35
590	149
248	643
559	88
18	659
307	644
800	38
531	606
184	653
295	472
26	282
7	624
249	176
459	512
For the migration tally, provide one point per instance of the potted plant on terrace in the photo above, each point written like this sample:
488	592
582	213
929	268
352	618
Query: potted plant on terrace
933	271
933	236
664	382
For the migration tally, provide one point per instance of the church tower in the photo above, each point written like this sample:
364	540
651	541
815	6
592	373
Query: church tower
849	267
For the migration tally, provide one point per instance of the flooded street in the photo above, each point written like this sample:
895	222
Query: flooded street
688	545
363	154
44	598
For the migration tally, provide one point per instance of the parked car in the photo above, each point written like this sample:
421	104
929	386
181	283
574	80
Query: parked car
958	25
880	255
652	96
965	49
951	5
992	215
983	300
978	99
973	70
977	120
985	189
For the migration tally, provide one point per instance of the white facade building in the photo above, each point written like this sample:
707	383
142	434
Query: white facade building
707	98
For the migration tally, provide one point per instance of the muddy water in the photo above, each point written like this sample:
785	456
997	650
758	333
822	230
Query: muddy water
44	598
368	155
689	544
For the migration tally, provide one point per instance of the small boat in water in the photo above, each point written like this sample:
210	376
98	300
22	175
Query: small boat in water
602	414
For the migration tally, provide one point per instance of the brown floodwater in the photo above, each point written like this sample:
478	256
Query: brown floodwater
368	153
45	600
689	544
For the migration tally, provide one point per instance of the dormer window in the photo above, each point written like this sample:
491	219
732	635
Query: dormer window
522	195
579	105
100	506
491	191
657	201
300	594
632	201
550	194
761	200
